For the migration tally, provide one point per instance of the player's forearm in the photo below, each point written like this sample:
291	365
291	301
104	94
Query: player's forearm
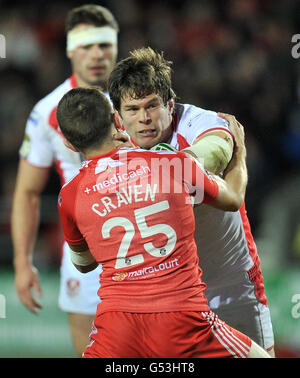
82	258
86	269
24	222
236	177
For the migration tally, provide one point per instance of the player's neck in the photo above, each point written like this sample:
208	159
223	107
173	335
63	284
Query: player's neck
81	83
104	149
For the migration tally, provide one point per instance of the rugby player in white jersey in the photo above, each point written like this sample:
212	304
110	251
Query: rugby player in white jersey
141	91
92	49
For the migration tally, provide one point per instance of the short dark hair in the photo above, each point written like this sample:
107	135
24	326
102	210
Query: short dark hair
84	116
91	14
142	73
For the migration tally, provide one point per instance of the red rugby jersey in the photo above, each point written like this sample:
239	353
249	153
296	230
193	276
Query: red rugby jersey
133	209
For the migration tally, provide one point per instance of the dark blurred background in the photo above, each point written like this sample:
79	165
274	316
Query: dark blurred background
233	56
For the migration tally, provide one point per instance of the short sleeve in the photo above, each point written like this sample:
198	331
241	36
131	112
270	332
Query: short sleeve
72	234
36	147
204	122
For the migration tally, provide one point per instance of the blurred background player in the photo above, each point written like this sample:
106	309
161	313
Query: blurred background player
91	32
140	88
152	297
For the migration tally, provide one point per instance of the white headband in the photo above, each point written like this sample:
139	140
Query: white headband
91	35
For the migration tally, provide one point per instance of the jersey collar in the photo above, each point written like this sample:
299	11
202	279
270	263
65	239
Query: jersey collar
73	81
174	122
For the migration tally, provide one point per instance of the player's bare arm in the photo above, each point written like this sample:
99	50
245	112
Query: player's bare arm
233	185
82	258
30	182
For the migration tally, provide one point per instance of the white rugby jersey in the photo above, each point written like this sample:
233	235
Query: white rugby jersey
43	143
225	244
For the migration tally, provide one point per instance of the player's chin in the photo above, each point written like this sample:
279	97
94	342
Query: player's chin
146	144
98	80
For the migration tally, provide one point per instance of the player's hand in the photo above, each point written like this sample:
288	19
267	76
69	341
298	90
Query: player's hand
26	281
121	139
236	128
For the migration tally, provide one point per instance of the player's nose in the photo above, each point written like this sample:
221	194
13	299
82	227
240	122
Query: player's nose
144	116
96	51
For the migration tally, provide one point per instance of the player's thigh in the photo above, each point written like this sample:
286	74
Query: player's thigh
257	352
271	352
199	335
253	319
80	327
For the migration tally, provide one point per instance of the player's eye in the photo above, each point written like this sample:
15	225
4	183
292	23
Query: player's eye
105	45
154	104
86	47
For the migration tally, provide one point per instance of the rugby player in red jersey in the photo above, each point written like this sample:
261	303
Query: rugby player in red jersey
121	212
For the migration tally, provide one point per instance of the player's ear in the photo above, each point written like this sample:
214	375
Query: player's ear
70	54
70	146
171	105
117	121
120	136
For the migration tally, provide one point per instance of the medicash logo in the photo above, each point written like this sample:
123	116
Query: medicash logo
171	174
146	272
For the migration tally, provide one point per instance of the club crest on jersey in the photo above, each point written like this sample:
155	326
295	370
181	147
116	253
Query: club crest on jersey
73	287
26	146
103	164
